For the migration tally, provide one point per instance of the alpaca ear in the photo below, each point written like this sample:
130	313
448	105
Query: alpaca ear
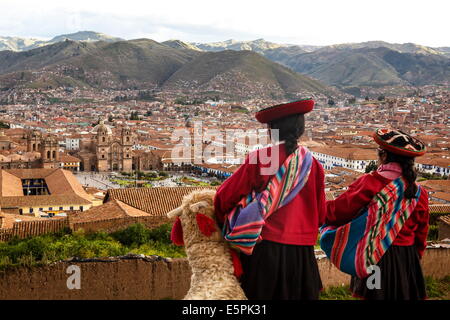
174	213
176	235
206	225
198	205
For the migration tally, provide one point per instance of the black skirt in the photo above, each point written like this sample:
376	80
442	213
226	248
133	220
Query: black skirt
401	277
277	271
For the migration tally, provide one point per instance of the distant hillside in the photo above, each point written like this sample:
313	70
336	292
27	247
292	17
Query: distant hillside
144	63
444	50
371	67
89	36
93	59
241	73
259	45
400	47
99	64
178	44
20	44
346	68
25	44
372	63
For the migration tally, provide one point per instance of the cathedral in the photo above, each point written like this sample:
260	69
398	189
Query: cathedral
106	152
42	151
48	148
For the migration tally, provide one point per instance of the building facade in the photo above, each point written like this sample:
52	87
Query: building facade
106	152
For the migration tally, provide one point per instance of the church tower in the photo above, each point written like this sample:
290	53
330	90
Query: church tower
103	146
34	141
127	142
49	150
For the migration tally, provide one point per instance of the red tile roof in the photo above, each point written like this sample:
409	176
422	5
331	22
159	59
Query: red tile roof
155	201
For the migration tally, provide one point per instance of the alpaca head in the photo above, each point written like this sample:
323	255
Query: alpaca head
195	219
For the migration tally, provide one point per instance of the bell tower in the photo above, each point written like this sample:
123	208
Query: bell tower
126	138
49	150
103	146
34	141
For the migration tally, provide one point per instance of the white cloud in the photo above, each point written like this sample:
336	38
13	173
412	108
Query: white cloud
290	21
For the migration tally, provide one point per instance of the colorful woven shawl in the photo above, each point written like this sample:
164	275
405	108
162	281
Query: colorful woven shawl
243	225
355	246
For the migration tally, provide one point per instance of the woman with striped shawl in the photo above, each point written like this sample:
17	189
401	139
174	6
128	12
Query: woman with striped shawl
382	219
283	204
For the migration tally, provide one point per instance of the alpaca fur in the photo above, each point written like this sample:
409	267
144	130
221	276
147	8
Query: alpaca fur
209	256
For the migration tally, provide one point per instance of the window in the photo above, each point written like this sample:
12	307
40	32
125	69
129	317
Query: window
71	208
41	209
31	210
50	208
81	208
60	208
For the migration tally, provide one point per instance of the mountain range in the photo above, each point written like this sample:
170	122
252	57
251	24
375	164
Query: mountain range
144	64
24	44
373	63
99	60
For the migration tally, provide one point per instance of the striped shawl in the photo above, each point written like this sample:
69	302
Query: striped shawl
355	246
243	225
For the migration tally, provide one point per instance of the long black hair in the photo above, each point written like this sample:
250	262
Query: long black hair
408	172
290	129
407	163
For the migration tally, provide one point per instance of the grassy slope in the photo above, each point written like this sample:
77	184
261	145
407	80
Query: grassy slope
138	60
371	67
255	68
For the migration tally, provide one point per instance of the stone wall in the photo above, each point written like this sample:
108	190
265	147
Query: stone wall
109	279
24	229
111	225
147	278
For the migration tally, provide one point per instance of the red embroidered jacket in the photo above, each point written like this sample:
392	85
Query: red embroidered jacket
296	223
360	193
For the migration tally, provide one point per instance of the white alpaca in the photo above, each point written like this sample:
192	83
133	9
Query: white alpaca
208	253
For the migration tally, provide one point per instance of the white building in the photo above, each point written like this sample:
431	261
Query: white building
351	158
73	143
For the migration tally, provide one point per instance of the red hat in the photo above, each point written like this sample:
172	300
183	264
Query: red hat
398	142
283	110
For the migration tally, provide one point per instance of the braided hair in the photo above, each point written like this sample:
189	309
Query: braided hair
290	129
406	163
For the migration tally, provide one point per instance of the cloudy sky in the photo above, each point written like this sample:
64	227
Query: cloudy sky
314	22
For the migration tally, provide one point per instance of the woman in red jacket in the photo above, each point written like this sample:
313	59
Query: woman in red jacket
400	270
283	264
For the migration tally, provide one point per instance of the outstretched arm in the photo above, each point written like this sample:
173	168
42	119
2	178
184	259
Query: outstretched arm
347	206
238	185
422	216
